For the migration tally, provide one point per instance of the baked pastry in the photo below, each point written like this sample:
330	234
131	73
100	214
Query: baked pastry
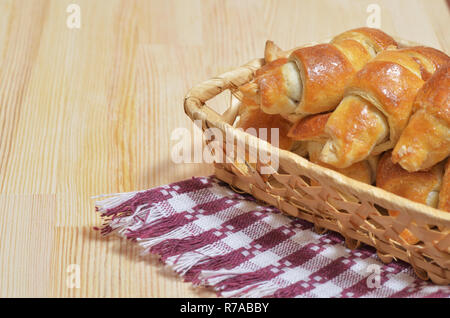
363	171
377	104
311	128
273	52
313	79
426	139
381	83
250	90
310	131
252	118
421	186
444	195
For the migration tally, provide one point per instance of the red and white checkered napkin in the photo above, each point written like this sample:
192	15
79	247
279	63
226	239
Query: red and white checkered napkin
215	237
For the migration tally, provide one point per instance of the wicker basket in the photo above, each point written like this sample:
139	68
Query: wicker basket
354	209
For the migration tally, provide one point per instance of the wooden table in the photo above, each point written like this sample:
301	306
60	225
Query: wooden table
90	110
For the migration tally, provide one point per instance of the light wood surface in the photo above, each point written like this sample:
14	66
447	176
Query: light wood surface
91	110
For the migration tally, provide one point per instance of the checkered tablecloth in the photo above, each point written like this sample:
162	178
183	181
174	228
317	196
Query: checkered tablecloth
215	237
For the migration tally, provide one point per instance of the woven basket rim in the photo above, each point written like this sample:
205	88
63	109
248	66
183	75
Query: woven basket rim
195	108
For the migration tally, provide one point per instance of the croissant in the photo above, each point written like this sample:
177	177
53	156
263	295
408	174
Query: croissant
421	186
252	117
272	52
426	139
444	195
313	79
363	171
310	130
250	90
377	104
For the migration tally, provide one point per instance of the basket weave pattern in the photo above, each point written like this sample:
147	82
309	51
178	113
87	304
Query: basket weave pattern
356	210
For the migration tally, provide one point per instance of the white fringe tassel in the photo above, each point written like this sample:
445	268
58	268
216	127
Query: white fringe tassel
183	262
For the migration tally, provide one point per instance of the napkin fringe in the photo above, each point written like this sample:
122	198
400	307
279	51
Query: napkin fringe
129	216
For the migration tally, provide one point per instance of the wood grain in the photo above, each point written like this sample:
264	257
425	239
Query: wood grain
91	110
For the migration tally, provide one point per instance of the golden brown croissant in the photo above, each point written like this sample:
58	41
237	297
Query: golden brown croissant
252	117
444	195
426	139
250	90
377	104
310	130
314	78
421	186
363	171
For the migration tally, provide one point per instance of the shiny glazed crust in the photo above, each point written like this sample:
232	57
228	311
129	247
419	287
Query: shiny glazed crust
321	74
310	131
325	73
426	139
310	128
422	186
387	84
